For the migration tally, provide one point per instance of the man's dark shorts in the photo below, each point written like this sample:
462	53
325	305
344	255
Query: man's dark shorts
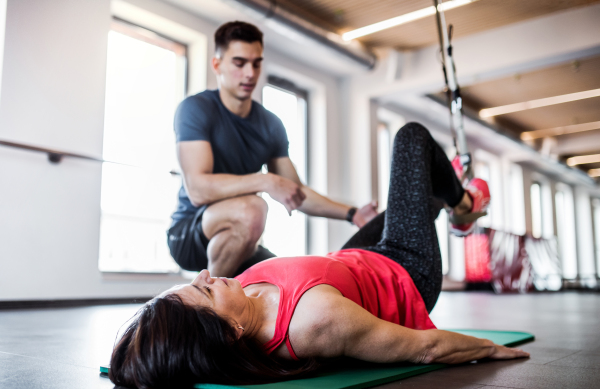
188	245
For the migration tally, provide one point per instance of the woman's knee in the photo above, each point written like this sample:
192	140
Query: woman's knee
411	131
412	134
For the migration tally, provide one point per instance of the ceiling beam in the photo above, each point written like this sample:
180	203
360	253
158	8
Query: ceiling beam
564	130
578	144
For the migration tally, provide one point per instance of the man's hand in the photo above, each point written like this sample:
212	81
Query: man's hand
365	214
285	191
502	352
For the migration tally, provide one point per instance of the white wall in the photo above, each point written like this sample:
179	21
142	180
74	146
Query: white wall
53	96
2	29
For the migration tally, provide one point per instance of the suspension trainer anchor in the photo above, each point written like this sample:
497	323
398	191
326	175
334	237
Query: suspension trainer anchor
453	91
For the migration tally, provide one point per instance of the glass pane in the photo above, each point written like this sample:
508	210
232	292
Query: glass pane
565	223
536	211
559	199
596	205
516	197
547	212
285	235
441	226
143	85
482	170
384	161
141	97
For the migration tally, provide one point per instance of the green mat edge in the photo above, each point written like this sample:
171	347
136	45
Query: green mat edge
384	380
360	385
530	337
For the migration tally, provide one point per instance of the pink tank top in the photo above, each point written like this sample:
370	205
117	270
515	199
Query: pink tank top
373	281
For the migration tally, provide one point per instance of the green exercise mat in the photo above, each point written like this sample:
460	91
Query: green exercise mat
357	374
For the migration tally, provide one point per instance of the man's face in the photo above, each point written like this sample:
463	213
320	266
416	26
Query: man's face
238	68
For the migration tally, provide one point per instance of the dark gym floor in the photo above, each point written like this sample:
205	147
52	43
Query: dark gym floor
63	348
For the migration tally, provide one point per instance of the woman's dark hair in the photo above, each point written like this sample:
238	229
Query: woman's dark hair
171	345
236	31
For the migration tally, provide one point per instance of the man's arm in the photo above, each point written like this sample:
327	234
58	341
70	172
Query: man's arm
204	187
316	204
339	327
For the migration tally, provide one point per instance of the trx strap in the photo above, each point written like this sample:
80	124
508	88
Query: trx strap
453	91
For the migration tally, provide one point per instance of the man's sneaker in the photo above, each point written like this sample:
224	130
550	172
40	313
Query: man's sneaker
478	190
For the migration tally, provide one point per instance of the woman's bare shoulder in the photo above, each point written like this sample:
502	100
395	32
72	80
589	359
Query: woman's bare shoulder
313	329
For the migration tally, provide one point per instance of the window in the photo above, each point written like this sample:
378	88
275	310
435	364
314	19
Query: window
536	210
596	208
565	223
586	263
289	104
515	196
482	170
145	80
441	226
547	212
488	167
542	221
384	161
389	124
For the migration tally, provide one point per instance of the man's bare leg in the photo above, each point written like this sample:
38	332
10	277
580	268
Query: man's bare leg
233	227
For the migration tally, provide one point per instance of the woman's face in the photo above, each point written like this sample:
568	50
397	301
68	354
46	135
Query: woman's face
223	295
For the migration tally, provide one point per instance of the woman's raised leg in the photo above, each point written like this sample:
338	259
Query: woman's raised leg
420	172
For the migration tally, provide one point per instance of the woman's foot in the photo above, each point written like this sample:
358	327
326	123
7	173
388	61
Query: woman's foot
462	218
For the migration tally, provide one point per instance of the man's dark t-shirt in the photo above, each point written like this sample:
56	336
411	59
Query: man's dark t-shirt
239	145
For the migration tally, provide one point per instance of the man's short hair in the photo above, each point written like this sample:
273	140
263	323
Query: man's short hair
236	31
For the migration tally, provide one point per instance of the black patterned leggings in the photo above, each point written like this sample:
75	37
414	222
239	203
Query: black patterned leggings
421	180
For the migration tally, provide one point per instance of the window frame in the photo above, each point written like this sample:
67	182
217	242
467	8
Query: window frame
288	86
596	231
565	230
156	38
536	209
181	50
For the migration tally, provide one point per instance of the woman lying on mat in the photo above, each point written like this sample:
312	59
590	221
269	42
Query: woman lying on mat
278	319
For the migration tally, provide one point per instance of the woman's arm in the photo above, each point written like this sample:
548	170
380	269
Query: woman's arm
337	326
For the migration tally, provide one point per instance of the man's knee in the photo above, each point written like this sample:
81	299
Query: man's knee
245	214
252	214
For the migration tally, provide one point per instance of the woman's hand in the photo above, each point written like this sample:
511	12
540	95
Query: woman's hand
502	352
